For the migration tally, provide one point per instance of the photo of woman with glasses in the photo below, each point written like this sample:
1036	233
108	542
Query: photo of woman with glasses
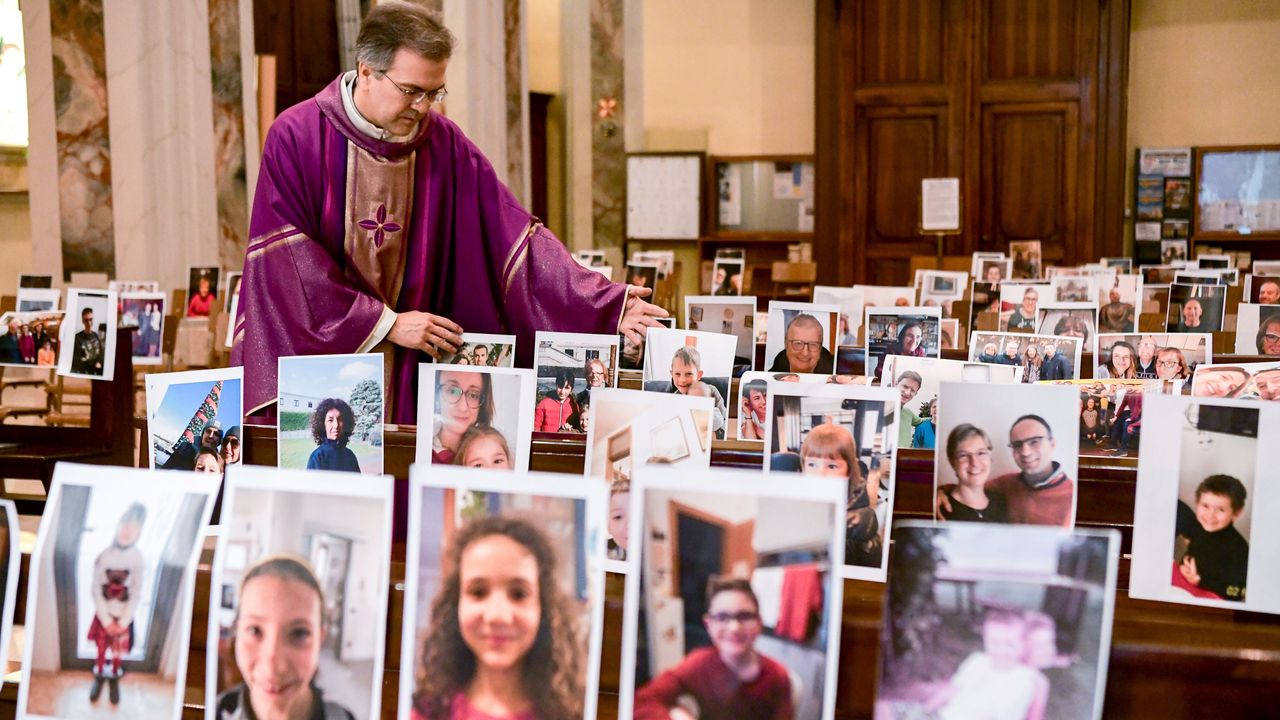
474	416
911	333
463	400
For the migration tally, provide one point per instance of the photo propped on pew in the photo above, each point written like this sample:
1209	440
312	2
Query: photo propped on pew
27	280
1018	622
1196	308
801	338
145	311
38	299
202	291
1262	289
331	413
504	595
911	331
688	362
1163	356
1041	357
10	562
568	367
728	315
483	350
302	567
917	380
1205	528
848	432
110	592
737	570
88	335
1245	381
195	419
1257	329
631	429
1068	319
753	397
475	416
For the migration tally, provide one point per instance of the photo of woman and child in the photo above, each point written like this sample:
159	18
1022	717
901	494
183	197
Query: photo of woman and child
569	367
698	364
298	609
846	432
1200	504
738	607
475	417
331	413
975	629
109	604
498	620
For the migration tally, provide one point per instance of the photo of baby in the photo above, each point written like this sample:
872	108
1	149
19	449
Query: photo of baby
996	622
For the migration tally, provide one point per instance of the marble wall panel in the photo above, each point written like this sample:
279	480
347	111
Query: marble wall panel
228	131
608	153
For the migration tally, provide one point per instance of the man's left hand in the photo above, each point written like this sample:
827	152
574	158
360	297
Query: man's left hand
639	314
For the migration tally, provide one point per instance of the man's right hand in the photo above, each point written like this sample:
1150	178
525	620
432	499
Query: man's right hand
942	503
429	333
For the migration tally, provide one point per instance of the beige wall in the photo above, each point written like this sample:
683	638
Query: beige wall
15	240
739	70
1202	73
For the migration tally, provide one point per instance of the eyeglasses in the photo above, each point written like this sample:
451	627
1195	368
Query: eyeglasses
1270	337
1175	363
964	457
416	96
744	618
1031	442
452	393
801	346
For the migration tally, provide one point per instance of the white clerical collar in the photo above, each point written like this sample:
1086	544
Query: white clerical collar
364	126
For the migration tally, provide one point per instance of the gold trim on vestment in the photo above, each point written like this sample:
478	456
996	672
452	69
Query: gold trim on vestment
379	195
519	253
267	247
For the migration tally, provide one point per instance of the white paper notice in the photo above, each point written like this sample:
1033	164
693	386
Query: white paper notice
730	188
940	204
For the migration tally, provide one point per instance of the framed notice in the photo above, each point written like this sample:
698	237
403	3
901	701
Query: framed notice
940	205
1239	192
664	196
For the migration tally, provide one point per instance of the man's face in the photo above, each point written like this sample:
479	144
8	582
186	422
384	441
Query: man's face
757	402
1011	349
907	389
1146	351
211	437
1029	300
1032	447
1048	351
1269	293
1268	383
1115	295
718	280
480	356
384	105
1191	312
88	321
804	346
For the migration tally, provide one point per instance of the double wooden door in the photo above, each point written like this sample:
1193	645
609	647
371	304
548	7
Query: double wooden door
1020	99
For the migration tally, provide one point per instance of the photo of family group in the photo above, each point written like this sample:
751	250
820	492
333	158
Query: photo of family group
1111	412
1041	357
801	338
1257	329
910	331
737	571
144	311
1247	381
111	588
1205	525
1172	356
194	419
917	380
475	416
974	628
569	366
502	599
331	413
30	339
698	364
734	317
847	432
482	350
1007	454
87	340
631	429
298	606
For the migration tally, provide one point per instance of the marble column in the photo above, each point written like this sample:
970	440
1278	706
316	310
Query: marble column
608	134
229	158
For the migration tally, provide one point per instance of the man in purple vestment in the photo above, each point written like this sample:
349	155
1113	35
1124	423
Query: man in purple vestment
379	227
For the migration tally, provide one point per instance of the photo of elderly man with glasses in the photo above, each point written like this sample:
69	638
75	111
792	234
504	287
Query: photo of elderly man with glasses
801	338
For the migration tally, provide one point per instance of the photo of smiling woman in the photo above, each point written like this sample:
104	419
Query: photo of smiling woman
498	619
475	417
331	426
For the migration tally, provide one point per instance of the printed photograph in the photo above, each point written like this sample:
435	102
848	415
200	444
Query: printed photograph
230	289
1155	300
802	338
1201	505
568	367
631	354
940	288
848	433
737	572
730	317
949	329
1018	305
1257	329
726	276
1196	308
1042	357
913	332
850	302
35	281
1157	274
87	346
1246	381
1262	289
10	563
1172	356
753	398
503	605
298	599
331	413
202	291
1007	454
886	296
477	416
1027	259
997	622
146	312
1111	412
631	429
30	339
483	350
642	274
1072	288
109	601
692	363
1118	303
995	270
1171	250
1078	320
917	379
985	306
194	419
38	300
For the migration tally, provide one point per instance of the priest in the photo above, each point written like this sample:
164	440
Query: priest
379	227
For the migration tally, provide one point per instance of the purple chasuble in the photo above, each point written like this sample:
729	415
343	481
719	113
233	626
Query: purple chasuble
343	224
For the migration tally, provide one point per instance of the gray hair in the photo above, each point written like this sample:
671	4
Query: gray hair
392	26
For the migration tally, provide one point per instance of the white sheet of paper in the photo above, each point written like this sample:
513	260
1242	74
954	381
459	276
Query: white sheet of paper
940	204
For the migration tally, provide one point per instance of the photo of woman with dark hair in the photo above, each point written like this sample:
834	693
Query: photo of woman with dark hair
331	426
501	643
277	636
1268	338
463	400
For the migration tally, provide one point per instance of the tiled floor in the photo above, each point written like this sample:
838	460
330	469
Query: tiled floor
66	694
